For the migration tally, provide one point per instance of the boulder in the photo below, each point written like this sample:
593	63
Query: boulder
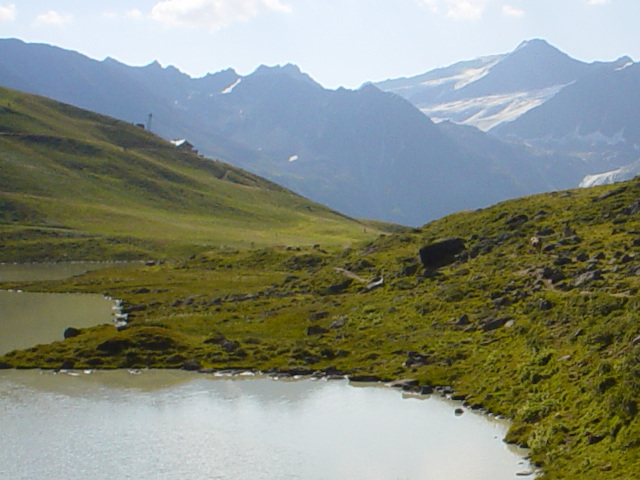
318	316
494	323
587	277
191	365
71	332
229	345
316	330
442	253
404	383
338	323
67	364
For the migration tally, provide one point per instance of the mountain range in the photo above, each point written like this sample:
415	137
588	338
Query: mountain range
369	152
540	96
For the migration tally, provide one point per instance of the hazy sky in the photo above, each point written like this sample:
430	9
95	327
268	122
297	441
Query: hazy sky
337	42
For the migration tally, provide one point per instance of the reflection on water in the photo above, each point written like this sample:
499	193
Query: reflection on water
169	424
28	319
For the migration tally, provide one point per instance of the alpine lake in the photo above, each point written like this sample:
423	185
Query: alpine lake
167	424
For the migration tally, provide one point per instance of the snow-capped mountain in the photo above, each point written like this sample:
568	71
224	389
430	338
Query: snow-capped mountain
493	90
619	175
538	96
365	152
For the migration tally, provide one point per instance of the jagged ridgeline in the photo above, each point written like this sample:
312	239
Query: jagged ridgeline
545	332
78	185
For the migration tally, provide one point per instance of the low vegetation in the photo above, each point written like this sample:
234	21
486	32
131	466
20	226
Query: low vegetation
547	336
89	187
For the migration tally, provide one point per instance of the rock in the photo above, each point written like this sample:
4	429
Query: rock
494	324
338	323
442	253
502	302
458	412
67	364
404	383
426	390
114	346
318	316
133	308
517	221
229	345
188	301
217	339
567	231
463	320
593	439
409	270
612	193
545	305
582	257
71	332
364	378
316	330
562	260
415	359
632	209
587	277
377	282
555	275
626	258
191	365
337	288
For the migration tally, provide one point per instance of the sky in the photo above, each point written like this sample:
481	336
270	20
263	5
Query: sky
337	42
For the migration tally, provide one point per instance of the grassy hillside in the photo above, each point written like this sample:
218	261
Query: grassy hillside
82	186
548	338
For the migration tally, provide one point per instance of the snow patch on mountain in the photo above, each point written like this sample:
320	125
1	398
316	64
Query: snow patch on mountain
621	174
230	88
471	75
488	111
626	65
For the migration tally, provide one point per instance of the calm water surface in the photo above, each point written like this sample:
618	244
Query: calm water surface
28	319
177	425
47	271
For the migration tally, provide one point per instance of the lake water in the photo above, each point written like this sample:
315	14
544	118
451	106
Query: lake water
26	272
179	425
161	424
28	319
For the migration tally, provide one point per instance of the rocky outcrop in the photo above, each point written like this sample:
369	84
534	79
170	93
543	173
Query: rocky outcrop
71	332
442	253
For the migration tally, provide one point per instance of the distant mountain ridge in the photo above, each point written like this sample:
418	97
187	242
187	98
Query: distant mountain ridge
540	96
489	91
366	152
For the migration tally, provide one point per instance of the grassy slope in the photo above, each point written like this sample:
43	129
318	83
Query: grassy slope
565	366
80	185
564	362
